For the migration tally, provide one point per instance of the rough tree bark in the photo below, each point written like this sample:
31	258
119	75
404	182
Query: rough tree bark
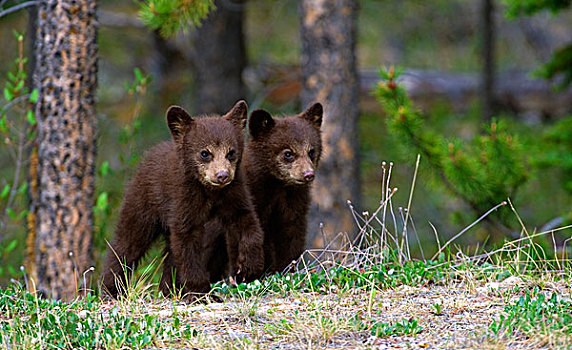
62	183
328	30
219	57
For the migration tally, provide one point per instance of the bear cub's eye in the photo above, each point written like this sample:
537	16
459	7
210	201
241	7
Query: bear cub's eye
231	155
288	155
311	154
205	155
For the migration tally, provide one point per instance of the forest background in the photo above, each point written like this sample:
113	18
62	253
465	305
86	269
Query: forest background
141	74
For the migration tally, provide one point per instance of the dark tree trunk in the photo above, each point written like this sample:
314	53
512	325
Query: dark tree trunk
219	57
488	52
165	65
63	167
328	30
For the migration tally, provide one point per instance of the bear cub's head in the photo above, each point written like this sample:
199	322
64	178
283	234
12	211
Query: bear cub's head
209	148
289	147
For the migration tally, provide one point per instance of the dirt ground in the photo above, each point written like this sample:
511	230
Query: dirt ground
449	317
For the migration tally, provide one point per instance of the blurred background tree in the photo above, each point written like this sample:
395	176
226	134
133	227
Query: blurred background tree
329	76
218	58
441	50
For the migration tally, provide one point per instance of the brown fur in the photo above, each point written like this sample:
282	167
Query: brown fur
181	186
279	161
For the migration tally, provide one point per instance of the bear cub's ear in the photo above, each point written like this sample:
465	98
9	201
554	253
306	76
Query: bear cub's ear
178	121
260	123
313	115
238	114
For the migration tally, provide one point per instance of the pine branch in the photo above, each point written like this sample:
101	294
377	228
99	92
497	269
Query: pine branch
486	173
171	16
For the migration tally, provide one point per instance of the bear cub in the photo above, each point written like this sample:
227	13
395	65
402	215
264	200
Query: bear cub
181	186
280	161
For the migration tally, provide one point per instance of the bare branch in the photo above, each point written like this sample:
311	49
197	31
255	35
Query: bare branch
15	101
468	227
18	8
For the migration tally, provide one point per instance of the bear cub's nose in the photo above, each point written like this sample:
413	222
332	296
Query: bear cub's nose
222	177
309	176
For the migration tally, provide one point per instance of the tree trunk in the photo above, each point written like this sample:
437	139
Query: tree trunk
219	57
328	30
488	52
63	168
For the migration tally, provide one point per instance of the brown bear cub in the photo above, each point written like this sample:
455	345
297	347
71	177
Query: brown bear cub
181	186
280	161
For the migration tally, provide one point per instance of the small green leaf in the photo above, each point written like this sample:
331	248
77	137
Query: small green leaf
19	36
138	74
22	215
20	85
30	117
104	170
148	79
11	213
23	188
3	127
102	201
8	95
5	191
136	127
34	96
10	247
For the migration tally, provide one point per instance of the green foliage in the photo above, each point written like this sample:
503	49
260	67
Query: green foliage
17	128
517	8
555	150
535	313
482	173
170	16
560	62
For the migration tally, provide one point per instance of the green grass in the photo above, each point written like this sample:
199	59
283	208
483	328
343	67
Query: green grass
362	292
340	278
143	319
404	327
32	322
535	313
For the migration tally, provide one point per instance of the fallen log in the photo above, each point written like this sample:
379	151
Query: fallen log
530	98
